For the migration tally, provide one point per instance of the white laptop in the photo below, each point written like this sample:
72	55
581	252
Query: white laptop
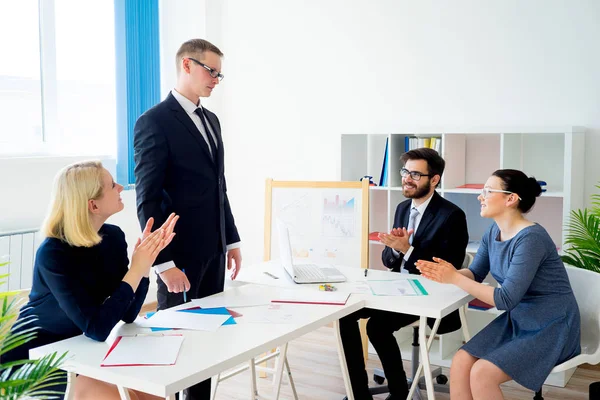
303	273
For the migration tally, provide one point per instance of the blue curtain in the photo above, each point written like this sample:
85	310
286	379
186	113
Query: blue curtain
138	73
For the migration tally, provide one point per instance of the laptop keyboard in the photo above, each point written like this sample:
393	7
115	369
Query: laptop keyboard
309	272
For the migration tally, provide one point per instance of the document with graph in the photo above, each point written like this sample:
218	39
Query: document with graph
398	287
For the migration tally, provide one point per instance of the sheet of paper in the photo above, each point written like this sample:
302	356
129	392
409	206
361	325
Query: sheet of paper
245	296
357	287
399	287
272	314
185	320
311	297
133	350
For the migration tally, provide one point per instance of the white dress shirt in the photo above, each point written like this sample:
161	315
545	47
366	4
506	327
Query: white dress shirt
421	209
190	108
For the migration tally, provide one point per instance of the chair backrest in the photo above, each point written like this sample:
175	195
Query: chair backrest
467	261
585	285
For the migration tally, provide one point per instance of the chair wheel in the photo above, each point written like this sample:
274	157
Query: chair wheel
345	398
441	379
378	379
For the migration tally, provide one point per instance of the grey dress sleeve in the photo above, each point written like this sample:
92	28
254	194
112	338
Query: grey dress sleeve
529	253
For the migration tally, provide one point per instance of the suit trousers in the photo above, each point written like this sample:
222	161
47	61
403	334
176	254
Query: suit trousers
380	329
206	279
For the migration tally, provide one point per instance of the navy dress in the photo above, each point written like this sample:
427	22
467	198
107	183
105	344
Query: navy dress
541	325
80	290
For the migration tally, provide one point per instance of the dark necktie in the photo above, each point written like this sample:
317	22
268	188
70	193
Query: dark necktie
213	147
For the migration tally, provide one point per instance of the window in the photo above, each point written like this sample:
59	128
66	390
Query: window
85	78
57	84
20	83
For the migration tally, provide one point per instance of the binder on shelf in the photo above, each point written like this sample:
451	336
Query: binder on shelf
374	236
479	305
384	167
471	186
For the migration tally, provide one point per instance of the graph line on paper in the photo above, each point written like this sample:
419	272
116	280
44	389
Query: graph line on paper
338	218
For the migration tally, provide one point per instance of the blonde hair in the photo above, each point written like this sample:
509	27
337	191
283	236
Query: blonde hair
68	217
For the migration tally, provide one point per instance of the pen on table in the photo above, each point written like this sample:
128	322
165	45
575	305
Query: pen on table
366	270
184	293
271	275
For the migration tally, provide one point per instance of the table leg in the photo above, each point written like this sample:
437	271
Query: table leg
291	379
415	378
253	388
279	370
124	393
424	350
342	357
70	391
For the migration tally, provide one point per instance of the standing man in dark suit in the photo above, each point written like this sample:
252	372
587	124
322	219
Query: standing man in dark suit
179	168
425	226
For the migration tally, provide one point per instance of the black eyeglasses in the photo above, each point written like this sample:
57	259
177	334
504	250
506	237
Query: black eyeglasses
213	72
414	175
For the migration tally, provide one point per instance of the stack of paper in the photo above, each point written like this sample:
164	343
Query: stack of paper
128	351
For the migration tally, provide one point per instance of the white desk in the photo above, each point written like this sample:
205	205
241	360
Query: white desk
203	354
440	301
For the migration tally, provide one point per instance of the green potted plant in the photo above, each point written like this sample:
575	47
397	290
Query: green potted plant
25	379
583	237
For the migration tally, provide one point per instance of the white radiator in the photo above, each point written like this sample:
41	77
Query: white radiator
18	248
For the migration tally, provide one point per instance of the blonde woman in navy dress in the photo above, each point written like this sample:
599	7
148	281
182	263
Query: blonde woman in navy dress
540	327
83	281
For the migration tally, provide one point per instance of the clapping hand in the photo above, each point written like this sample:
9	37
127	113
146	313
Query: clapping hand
439	270
168	227
397	239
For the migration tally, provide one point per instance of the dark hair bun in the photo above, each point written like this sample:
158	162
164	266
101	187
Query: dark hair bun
533	187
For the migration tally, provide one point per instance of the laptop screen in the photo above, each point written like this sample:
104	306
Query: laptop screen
285	248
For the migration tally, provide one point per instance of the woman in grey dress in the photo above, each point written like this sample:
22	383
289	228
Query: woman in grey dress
540	327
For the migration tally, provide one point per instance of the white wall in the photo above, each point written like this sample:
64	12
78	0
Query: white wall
301	73
26	185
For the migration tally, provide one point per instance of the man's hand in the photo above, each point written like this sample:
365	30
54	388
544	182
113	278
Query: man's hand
397	239
234	260
176	280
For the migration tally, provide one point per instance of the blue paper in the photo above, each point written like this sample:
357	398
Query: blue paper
217	311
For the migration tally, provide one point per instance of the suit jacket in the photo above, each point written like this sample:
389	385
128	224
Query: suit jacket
441	233
175	172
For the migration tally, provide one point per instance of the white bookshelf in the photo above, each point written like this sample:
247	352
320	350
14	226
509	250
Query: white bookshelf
554	155
551	154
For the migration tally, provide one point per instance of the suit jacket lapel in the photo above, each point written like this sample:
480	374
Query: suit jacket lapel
428	216
185	119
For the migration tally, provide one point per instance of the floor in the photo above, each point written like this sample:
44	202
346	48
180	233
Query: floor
315	365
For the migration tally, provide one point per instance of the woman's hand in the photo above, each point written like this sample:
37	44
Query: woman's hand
439	271
146	250
168	227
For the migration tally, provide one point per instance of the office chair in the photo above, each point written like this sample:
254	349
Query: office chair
585	286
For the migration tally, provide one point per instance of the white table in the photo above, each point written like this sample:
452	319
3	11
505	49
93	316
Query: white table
440	301
203	354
